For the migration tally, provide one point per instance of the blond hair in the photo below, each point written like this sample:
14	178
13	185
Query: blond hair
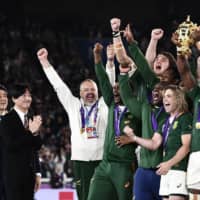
182	105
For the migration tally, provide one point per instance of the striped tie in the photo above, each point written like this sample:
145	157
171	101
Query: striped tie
26	122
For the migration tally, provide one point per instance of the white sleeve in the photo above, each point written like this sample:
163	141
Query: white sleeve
63	92
110	70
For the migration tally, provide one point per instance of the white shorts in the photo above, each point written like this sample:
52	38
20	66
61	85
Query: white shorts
173	183
193	171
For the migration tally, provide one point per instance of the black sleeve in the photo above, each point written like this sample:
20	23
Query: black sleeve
36	162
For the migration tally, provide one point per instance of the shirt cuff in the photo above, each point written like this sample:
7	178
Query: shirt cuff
38	174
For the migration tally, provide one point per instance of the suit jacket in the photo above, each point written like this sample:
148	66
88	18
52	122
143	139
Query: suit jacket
20	151
2	192
0	153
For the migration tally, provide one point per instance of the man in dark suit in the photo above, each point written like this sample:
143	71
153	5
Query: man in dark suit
3	111
20	145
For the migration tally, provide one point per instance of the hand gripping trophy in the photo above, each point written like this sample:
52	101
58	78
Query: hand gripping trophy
184	31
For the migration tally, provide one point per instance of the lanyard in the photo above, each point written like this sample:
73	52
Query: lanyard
198	114
167	128
118	114
85	119
154	117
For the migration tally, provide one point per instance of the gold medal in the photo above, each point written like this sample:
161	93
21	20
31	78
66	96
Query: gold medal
197	125
82	130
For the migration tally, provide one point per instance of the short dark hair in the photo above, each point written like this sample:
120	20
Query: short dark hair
19	89
2	87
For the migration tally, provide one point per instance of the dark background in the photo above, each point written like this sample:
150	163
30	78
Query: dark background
141	13
69	29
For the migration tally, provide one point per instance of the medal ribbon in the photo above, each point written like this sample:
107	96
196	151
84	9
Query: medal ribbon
86	118
198	115
117	118
154	122
167	128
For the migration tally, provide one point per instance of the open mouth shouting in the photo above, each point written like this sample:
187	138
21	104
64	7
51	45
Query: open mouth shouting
90	97
158	69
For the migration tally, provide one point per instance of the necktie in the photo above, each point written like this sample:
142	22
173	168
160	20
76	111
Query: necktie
26	122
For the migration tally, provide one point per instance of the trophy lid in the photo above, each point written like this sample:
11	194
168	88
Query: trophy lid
188	18
188	24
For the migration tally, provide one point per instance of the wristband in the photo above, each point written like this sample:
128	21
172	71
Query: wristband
123	73
116	33
38	174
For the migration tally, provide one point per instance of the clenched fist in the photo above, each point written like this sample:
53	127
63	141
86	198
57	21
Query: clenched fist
98	48
115	24
157	34
42	54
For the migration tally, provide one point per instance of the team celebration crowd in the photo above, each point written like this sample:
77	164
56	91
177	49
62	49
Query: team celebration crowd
125	126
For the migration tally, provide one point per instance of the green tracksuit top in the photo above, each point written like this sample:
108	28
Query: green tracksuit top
143	67
194	94
181	125
112	152
143	110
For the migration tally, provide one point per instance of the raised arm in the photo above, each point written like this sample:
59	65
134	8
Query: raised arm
151	51
63	92
184	70
119	48
142	65
126	93
110	65
196	37
121	55
183	65
104	83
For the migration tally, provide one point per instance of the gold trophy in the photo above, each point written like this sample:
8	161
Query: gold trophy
184	31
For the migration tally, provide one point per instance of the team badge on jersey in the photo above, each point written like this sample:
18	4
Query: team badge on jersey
127	122
175	125
197	125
